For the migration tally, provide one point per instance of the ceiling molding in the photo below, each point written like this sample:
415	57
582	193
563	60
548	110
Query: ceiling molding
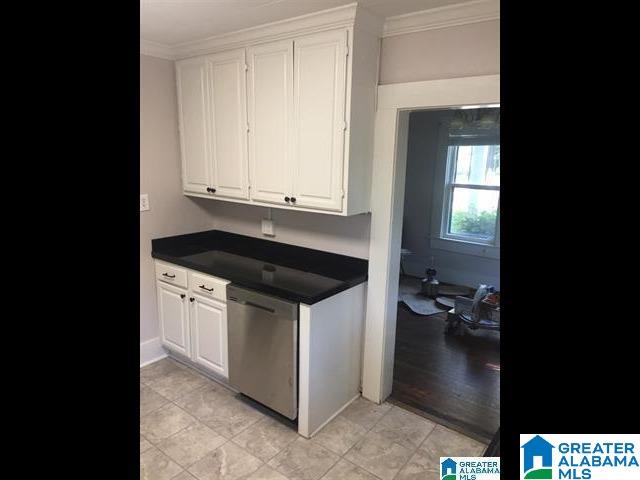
442	17
343	16
154	49
313	22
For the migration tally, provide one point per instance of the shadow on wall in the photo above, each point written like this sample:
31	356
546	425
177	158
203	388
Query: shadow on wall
332	233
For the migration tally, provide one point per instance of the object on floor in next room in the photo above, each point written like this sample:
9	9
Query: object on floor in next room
481	312
429	286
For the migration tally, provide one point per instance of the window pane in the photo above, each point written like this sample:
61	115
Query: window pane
477	164
474	213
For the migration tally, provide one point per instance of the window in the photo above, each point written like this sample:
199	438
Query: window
465	215
472	192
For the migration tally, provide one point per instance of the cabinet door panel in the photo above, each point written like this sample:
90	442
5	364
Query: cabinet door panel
319	106
191	76
227	84
270	84
174	319
209	320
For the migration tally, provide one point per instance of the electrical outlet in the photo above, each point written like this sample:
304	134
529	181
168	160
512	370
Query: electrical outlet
144	202
268	228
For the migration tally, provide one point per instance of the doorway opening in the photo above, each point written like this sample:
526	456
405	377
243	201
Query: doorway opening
447	342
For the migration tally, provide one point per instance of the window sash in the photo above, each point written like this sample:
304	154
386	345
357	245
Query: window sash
447	214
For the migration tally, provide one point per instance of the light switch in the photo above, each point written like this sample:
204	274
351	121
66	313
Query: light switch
268	228
144	202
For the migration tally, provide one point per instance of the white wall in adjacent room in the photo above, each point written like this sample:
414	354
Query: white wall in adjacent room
452	267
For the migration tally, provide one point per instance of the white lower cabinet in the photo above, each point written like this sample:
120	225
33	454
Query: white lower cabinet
209	333
193	321
174	318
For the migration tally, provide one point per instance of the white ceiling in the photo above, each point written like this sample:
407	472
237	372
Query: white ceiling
171	22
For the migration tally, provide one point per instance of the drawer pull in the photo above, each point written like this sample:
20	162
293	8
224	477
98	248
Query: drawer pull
165	274
205	288
182	295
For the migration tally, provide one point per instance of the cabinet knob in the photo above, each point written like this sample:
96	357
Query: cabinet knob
293	199
286	199
182	295
191	299
213	190
209	189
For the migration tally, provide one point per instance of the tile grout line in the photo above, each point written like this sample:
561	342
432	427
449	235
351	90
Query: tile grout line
435	426
200	421
158	408
352	446
216	386
415	450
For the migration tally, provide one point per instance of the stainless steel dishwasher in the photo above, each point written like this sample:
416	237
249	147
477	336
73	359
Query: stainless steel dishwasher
263	348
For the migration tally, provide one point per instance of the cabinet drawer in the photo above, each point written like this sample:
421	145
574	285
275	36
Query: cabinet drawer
171	274
208	286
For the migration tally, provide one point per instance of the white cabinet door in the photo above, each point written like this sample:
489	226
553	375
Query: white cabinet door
228	118
193	111
270	108
209	322
174	317
319	118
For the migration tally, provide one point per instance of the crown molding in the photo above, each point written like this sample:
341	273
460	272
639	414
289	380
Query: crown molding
442	17
154	49
342	16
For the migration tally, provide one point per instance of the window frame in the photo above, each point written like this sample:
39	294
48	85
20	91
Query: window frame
442	202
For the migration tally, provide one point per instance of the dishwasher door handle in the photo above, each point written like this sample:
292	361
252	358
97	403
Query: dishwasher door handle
251	304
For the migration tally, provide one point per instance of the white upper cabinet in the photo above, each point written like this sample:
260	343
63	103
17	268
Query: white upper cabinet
213	124
283	114
228	131
320	62
191	77
270	86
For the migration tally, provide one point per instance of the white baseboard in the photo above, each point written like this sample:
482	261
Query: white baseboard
151	351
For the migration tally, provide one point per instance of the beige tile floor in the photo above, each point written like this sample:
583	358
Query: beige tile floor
192	428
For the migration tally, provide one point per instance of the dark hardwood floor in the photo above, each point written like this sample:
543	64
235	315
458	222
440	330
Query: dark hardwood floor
455	379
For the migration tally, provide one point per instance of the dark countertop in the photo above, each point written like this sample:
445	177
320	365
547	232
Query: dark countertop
287	271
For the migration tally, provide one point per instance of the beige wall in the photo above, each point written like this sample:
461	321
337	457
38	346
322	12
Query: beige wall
331	233
461	51
171	212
